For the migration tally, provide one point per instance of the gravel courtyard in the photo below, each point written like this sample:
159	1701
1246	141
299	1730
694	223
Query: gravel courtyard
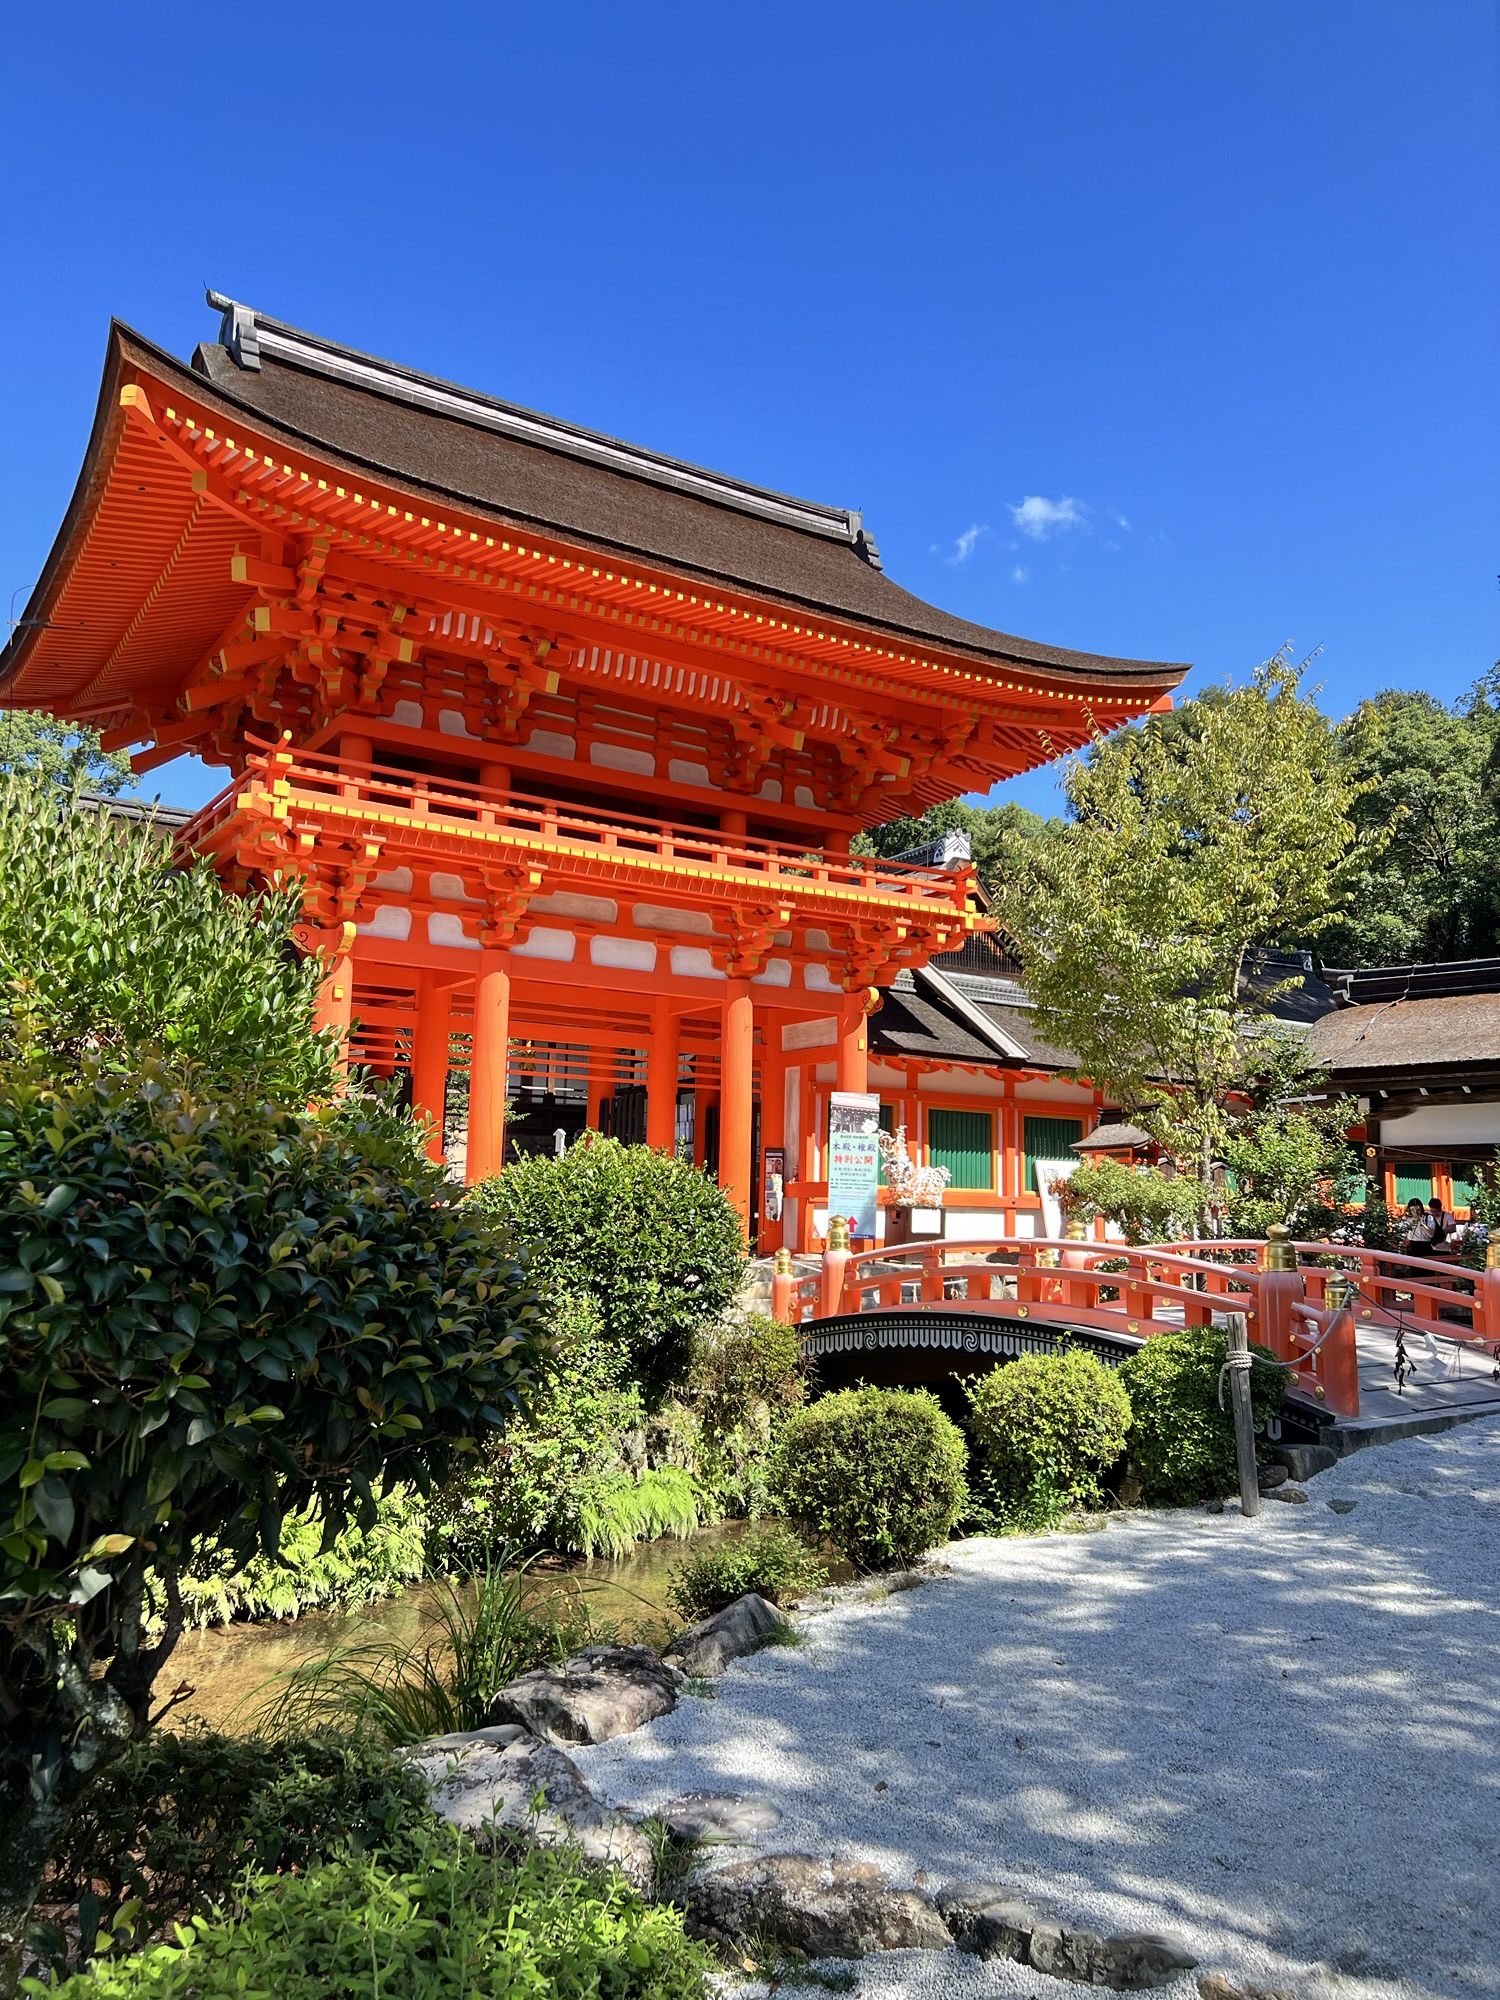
1279	1738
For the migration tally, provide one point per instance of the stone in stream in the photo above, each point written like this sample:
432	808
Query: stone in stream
603	1691
742	1627
824	1909
486	1777
715	1816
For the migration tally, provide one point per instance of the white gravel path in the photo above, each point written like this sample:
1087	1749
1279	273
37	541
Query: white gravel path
1279	1738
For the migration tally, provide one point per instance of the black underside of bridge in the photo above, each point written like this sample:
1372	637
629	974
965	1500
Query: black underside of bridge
932	1348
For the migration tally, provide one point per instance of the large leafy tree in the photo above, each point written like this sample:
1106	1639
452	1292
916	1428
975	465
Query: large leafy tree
1190	843
209	1316
110	952
65	755
1427	881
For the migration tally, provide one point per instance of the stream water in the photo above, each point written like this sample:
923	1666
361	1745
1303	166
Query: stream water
229	1667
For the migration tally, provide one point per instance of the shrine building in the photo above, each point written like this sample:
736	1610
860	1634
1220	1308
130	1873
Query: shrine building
568	742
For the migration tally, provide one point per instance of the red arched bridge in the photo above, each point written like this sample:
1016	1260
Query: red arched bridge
1332	1313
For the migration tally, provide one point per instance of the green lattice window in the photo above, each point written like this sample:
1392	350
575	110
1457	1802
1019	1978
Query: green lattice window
1049	1139
1466	1184
1413	1183
964	1143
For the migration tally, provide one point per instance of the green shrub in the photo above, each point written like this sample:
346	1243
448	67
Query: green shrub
1046	1426
880	1472
164	1832
455	1923
358	1566
771	1561
651	1240
111	954
211	1316
1181	1443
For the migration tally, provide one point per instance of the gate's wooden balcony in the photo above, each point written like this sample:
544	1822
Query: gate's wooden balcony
340	823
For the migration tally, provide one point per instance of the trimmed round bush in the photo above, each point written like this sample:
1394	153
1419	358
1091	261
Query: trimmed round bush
651	1240
1046	1426
1181	1443
880	1472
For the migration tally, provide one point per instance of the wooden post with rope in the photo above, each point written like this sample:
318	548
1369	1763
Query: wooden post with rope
1237	1367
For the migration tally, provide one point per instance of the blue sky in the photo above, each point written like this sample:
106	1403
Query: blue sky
1164	330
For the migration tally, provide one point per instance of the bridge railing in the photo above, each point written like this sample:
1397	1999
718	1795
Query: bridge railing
1303	1301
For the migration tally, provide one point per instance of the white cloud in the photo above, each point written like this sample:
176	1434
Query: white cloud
1038	518
963	548
1019	575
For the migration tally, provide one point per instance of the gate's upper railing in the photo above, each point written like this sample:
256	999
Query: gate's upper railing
1303	1301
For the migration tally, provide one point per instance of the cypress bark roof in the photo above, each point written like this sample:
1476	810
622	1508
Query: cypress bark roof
543	473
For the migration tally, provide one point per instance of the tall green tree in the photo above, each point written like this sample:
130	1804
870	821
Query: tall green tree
1427	882
111	953
67	755
1188	846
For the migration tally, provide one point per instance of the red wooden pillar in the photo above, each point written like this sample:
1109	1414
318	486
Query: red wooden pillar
334	1007
429	1057
487	1067
737	1086
661	1078
854	1044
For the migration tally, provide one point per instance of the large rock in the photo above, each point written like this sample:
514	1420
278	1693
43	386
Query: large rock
1306	1461
989	1920
992	1920
603	1691
824	1909
489	1777
742	1627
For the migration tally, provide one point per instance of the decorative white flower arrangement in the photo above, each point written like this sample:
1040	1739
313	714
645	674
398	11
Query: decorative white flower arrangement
909	1185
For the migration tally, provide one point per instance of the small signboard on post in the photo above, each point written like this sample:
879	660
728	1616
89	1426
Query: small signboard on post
854	1159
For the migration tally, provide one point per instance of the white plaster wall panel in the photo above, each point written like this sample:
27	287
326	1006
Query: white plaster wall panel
1058	1092
399	879
976	1225
389	921
819	941
551	743
625	954
445	928
682	771
664	917
452	723
775	972
407	715
450	887
955	1083
691	961
587	909
623	757
803	796
1444	1125
815	979
543	942
770	788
